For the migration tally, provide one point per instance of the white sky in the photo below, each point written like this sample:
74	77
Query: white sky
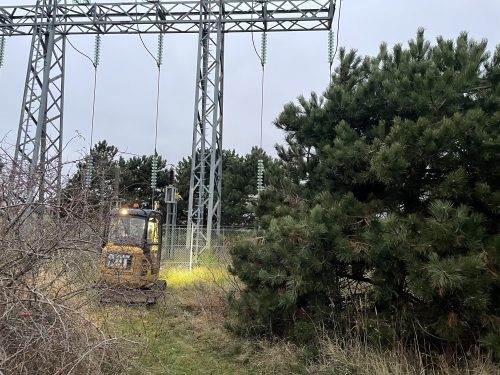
297	64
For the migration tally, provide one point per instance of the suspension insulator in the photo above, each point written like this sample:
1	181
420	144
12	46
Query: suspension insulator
263	48
171	176
2	50
330	47
260	176
97	50
159	55
154	172
89	171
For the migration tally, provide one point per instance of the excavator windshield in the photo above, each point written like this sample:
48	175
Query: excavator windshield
127	230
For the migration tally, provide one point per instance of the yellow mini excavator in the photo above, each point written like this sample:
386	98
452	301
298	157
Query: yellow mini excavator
130	259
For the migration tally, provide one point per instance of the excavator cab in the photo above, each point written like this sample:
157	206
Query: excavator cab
130	259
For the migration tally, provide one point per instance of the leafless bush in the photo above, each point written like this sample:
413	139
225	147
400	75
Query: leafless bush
48	259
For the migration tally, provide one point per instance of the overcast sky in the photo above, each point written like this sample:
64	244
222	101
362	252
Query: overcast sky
297	64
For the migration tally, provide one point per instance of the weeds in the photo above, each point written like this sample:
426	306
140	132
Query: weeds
341	356
46	281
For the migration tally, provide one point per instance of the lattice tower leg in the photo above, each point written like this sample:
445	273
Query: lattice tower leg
36	175
206	163
215	187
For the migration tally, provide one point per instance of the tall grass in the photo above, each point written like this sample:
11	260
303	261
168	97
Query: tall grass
340	355
204	291
185	334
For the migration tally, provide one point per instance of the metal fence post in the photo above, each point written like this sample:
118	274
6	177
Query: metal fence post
191	249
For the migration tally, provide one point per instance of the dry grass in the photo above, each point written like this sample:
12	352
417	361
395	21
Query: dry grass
341	356
185	334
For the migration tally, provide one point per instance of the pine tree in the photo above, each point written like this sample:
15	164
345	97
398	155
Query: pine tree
106	172
395	181
95	173
135	180
239	185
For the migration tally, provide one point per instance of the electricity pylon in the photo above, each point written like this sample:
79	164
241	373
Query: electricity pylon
40	134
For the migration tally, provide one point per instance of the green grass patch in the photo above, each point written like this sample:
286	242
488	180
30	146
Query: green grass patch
181	277
185	334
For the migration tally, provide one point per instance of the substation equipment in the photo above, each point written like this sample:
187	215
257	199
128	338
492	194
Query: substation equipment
39	143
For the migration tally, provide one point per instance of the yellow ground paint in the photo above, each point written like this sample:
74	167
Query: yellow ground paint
180	277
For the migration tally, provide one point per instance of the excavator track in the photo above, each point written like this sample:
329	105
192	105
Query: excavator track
128	296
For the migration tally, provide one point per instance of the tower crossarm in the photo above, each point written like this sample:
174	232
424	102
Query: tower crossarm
36	177
168	17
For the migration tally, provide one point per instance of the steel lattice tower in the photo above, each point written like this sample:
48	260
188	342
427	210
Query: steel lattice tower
207	130
38	154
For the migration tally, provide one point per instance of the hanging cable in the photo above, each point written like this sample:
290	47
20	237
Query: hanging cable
253	41
330	51
147	49
331	55
2	50
159	61
95	63
97	58
80	52
260	162
263	60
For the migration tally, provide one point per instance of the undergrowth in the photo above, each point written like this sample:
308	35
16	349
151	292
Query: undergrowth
185	334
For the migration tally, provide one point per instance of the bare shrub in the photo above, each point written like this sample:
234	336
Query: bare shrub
47	278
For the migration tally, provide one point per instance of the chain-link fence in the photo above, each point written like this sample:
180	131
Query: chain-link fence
184	248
